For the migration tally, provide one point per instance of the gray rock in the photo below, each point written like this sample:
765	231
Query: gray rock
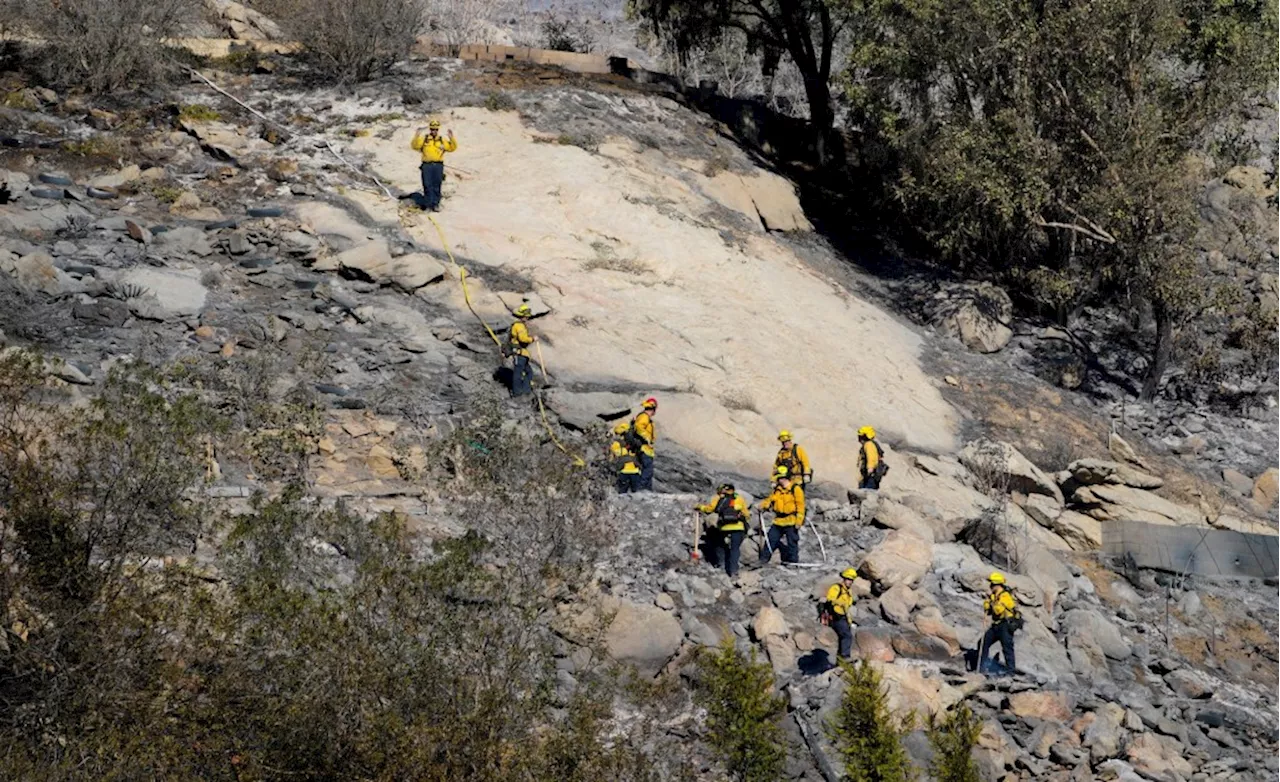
1189	683
176	292
1088	625
185	241
1094	472
1000	463
897	603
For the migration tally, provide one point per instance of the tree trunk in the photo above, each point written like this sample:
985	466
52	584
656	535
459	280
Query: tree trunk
821	115
1160	354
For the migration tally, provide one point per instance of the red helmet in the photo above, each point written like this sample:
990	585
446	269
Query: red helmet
650	403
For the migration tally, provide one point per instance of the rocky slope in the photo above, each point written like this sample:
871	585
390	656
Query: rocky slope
661	260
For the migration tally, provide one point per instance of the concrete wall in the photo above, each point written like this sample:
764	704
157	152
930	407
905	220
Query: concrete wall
1201	551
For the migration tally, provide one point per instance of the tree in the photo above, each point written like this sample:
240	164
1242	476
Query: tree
806	30
742	713
1053	143
953	740
866	734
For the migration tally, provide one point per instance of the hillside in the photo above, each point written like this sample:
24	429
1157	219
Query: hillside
270	257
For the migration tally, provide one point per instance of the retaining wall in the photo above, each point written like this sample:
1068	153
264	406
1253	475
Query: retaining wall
1201	551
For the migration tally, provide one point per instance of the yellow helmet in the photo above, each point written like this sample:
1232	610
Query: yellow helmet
849	573
996	578
780	472
434	124
621	428
784	435
523	311
868	432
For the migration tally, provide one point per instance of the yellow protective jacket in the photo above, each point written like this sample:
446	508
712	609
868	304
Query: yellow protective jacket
869	457
520	339
795	460
731	510
643	424
1001	606
433	147
841	599
787	506
622	458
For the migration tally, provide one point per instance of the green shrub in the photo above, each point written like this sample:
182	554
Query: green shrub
742	713
307	643
198	112
953	740
865	733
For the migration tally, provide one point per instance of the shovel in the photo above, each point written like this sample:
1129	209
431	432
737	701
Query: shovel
695	554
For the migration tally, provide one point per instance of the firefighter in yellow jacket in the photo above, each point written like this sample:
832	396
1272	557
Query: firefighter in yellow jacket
645	435
836	608
871	466
793	458
519	341
433	146
1006	620
724	542
624	460
787	504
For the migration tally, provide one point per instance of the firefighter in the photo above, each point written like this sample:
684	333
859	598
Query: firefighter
519	341
433	148
624	460
787	504
725	541
1002	609
793	458
645	436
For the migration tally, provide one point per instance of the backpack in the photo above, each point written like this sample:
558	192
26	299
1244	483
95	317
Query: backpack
632	438
882	468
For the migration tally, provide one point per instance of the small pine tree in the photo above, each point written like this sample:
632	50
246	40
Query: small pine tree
865	733
953	740
742	713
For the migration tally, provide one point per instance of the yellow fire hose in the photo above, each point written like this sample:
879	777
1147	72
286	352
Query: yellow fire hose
462	272
466	296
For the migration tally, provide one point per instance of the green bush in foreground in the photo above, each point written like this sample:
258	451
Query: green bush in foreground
864	731
742	713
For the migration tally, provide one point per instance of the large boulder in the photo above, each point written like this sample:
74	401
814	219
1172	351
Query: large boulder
903	557
1001	465
769	621
1266	489
1042	705
1046	570
897	603
644	636
1107	502
1081	532
918	689
930	622
178	292
978	316
372	261
1085	625
1092	472
1104	732
895	515
1157	757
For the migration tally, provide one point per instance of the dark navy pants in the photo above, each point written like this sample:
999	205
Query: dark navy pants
432	178
1002	632
725	549
521	377
845	633
784	539
628	482
646	471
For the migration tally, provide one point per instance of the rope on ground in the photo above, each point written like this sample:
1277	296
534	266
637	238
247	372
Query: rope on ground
466	296
461	270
